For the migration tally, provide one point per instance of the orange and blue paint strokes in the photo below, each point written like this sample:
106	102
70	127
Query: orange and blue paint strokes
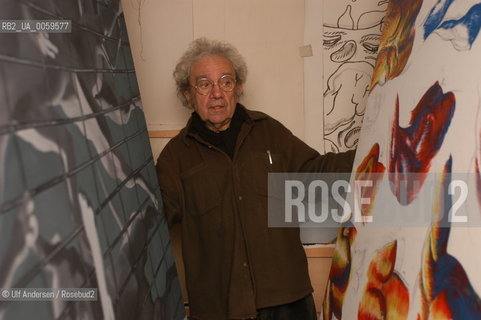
396	41
372	170
463	31
412	148
446	291
477	167
385	296
339	275
435	16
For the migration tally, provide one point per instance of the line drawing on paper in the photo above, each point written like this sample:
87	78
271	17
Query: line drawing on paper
351	34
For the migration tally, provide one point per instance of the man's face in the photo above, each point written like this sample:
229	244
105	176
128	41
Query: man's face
216	108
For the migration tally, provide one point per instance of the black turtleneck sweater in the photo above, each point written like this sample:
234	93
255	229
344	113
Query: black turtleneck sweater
224	140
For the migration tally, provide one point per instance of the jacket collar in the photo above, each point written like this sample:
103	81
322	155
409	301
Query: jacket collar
252	117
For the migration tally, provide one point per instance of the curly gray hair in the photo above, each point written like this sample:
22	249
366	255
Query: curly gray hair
200	48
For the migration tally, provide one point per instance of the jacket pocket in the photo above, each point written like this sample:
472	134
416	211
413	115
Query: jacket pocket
201	192
261	164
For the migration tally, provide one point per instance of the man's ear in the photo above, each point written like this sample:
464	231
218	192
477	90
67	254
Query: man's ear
239	89
188	98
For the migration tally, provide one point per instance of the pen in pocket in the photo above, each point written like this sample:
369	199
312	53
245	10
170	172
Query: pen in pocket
269	155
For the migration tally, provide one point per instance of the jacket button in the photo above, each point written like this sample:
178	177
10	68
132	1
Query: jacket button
240	197
245	264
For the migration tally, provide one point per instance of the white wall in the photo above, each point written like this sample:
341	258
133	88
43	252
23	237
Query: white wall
268	33
313	76
159	30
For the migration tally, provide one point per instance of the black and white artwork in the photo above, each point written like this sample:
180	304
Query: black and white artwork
80	205
350	41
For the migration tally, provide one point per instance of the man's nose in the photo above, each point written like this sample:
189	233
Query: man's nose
216	91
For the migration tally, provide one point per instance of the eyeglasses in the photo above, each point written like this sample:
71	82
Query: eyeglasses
204	86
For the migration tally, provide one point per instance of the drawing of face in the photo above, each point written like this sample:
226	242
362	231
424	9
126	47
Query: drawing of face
350	43
344	105
342	45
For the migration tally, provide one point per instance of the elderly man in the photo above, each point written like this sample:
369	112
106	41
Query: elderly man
213	179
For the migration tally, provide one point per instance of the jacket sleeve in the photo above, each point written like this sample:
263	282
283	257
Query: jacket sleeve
303	158
170	186
337	162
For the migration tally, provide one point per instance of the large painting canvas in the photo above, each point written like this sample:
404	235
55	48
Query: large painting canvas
420	139
79	199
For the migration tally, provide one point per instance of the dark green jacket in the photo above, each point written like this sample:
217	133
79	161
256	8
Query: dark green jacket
234	263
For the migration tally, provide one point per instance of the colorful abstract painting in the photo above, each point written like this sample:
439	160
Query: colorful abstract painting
79	199
419	148
340	273
446	290
397	40
372	170
461	30
385	295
